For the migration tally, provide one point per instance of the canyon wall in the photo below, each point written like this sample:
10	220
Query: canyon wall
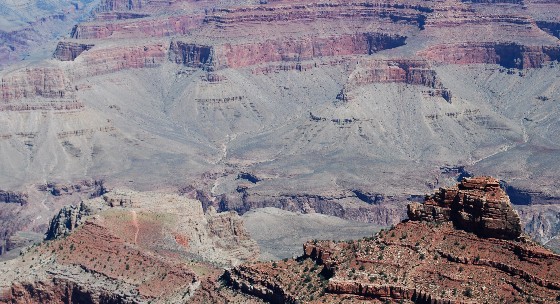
508	55
242	55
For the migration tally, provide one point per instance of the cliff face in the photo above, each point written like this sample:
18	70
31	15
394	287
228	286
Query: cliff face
68	51
138	27
71	217
508	55
9	197
425	259
477	204
46	82
109	60
406	71
242	55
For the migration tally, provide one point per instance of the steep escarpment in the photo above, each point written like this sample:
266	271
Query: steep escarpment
46	82
68	51
414	72
420	260
508	55
241	55
381	11
10	197
553	28
136	28
345	204
100	61
71	217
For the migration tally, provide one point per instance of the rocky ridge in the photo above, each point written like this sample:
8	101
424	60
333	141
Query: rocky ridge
425	259
135	247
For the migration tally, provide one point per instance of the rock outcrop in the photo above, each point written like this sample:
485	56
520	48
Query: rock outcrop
68	51
31	83
352	205
477	204
423	260
130	247
136	28
10	197
414	72
72	216
99	61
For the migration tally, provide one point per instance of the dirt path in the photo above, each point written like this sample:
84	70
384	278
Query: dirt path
135	223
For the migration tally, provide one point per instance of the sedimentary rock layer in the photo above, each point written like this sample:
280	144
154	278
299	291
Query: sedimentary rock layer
242	55
476	204
68	51
425	259
508	55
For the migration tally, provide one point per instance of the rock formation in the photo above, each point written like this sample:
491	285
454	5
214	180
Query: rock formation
71	217
68	51
423	260
339	108
135	247
476	204
9	197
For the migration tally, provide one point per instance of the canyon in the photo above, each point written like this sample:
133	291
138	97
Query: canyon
346	109
464	244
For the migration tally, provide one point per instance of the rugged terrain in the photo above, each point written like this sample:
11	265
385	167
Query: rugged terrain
130	247
464	244
431	258
343	108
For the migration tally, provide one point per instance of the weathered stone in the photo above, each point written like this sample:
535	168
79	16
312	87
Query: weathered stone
477	204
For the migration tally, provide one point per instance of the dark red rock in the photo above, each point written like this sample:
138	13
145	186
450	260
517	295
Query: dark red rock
477	204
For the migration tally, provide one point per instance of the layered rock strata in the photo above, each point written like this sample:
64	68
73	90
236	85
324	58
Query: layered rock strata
414	72
508	55
68	51
422	260
242	55
476	204
135	247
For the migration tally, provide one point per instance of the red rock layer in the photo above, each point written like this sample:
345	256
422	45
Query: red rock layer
103	61
476	204
136	5
424	260
68	51
415	72
415	261
509	55
388	11
242	55
142	27
98	251
42	81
